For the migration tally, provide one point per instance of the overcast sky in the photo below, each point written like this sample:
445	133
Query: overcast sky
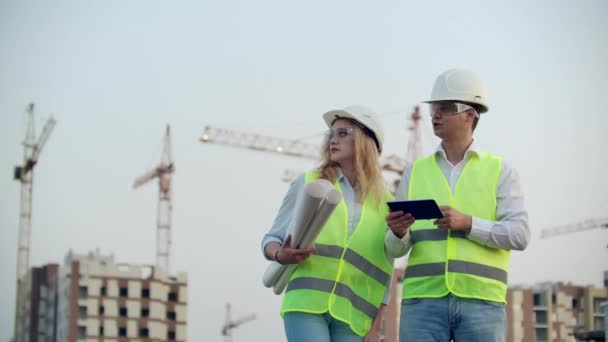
115	72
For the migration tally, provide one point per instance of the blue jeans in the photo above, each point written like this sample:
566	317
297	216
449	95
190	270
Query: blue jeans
452	318
307	327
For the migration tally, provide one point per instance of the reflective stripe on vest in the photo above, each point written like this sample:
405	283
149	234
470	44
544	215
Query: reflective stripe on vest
346	275
341	290
435	235
438	268
354	259
444	261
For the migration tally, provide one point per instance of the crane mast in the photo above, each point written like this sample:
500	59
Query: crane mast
163	172
24	174
414	146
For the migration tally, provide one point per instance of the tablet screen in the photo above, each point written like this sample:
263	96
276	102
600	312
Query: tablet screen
421	209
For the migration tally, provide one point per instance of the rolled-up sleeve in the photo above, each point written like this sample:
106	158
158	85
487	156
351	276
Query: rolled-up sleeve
396	247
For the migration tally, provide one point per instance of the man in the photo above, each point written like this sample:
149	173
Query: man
455	284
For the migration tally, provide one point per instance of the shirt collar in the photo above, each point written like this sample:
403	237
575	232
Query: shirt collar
473	149
340	175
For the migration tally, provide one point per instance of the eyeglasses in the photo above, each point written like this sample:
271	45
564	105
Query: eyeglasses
339	133
449	108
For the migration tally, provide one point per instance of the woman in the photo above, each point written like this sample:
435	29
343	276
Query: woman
339	290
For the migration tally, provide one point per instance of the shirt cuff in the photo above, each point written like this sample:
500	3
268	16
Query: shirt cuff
387	296
480	230
404	240
394	244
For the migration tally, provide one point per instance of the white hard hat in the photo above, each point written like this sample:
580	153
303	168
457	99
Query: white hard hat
363	116
460	85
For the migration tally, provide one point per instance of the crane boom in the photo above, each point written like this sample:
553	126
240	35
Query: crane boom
296	148
145	178
244	320
230	324
259	142
44	136
588	224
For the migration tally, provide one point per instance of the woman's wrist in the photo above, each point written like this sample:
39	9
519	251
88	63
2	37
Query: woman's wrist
276	256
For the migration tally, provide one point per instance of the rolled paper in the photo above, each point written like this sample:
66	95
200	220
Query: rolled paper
313	207
306	205
332	199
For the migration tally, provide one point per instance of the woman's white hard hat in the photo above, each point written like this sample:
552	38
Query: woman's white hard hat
363	115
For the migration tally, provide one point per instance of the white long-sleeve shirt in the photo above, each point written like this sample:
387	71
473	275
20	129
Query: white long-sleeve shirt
509	231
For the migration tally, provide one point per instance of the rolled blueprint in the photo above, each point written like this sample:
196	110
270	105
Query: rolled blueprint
306	210
332	199
306	207
307	203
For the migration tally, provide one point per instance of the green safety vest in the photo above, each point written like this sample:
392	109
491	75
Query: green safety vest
346	276
444	261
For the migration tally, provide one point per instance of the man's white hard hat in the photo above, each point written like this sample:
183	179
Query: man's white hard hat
364	116
462	86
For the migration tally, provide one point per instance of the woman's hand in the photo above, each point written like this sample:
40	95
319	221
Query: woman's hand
289	255
375	331
373	335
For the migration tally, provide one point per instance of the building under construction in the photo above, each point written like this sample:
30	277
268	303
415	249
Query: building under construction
554	311
92	298
546	312
37	301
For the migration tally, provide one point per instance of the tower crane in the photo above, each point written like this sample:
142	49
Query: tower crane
24	174
163	172
230	325
588	224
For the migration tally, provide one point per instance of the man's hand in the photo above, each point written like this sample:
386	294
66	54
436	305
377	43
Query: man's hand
454	219
290	255
399	222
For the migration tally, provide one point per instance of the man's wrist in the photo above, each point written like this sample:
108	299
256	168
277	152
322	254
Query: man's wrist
398	235
402	235
469	224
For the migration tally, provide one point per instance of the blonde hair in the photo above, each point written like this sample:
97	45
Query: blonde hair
369	183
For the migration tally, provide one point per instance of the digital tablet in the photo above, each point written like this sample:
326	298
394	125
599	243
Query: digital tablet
421	209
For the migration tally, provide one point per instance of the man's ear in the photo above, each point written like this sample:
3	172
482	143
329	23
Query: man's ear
471	115
474	117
